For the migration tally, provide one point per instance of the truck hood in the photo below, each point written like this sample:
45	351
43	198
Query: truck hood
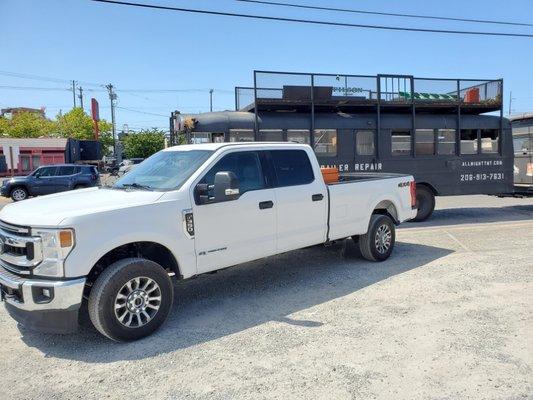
51	210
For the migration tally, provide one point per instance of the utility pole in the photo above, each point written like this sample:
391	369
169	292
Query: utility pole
74	93
510	101
81	97
112	98
211	100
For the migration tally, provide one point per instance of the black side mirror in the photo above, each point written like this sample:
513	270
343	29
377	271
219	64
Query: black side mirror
226	186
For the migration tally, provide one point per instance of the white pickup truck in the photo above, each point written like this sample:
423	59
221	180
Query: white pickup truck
185	211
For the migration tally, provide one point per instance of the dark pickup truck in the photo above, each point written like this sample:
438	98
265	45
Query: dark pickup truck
50	179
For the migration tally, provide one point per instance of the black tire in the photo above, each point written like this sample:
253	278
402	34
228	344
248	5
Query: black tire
374	248
79	187
425	201
114	280
19	193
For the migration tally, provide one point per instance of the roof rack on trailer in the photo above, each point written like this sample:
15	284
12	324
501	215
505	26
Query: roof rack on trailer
289	91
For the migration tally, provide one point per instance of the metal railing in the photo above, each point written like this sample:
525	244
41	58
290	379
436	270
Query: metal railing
271	87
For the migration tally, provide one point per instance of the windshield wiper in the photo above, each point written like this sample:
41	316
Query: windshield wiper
137	186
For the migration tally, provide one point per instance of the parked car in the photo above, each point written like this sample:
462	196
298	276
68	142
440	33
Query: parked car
125	166
185	211
50	179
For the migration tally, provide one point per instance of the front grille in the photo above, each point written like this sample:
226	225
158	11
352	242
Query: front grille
19	252
16	229
16	251
10	293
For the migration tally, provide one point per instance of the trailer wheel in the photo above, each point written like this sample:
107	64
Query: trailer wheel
425	200
130	299
378	242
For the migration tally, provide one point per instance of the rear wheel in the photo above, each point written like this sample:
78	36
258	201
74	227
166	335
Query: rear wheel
378	242
425	200
19	193
130	299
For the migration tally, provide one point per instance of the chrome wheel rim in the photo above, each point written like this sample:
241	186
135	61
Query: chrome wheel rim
383	238
19	194
137	302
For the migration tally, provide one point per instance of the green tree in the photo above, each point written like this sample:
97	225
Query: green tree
78	125
143	144
27	125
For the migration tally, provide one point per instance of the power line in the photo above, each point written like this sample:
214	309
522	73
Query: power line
141	112
44	78
34	88
347	10
173	90
315	22
126	91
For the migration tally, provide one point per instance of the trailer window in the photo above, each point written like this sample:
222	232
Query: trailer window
298	136
446	140
522	144
241	135
400	142
364	143
489	140
326	142
271	135
468	141
425	142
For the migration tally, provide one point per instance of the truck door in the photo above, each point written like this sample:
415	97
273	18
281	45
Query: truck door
301	200
236	231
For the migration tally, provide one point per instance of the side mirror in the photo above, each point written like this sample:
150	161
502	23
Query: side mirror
226	186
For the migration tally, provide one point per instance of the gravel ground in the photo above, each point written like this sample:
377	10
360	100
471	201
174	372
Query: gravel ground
448	316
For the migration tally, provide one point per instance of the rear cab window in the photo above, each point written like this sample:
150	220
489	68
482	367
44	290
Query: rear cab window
292	167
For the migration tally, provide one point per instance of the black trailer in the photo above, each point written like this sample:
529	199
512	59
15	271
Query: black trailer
449	133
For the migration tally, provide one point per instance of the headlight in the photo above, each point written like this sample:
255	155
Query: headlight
56	246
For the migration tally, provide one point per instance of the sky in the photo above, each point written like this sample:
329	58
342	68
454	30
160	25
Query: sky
143	52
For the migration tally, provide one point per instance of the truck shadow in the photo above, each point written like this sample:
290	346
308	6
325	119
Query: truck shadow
474	215
217	305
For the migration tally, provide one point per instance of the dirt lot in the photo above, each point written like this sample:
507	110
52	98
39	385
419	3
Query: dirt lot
449	316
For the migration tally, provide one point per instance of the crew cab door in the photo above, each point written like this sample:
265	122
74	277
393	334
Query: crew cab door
239	230
301	200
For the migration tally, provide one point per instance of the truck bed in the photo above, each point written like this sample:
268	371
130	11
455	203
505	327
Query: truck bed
365	176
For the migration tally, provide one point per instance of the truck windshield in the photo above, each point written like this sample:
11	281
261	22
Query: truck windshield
165	170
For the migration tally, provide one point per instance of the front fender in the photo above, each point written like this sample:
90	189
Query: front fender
97	234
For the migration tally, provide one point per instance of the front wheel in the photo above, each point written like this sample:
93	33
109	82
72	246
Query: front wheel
19	194
130	299
378	242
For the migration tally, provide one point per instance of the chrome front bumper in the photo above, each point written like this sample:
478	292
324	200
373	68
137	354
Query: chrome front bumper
30	294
